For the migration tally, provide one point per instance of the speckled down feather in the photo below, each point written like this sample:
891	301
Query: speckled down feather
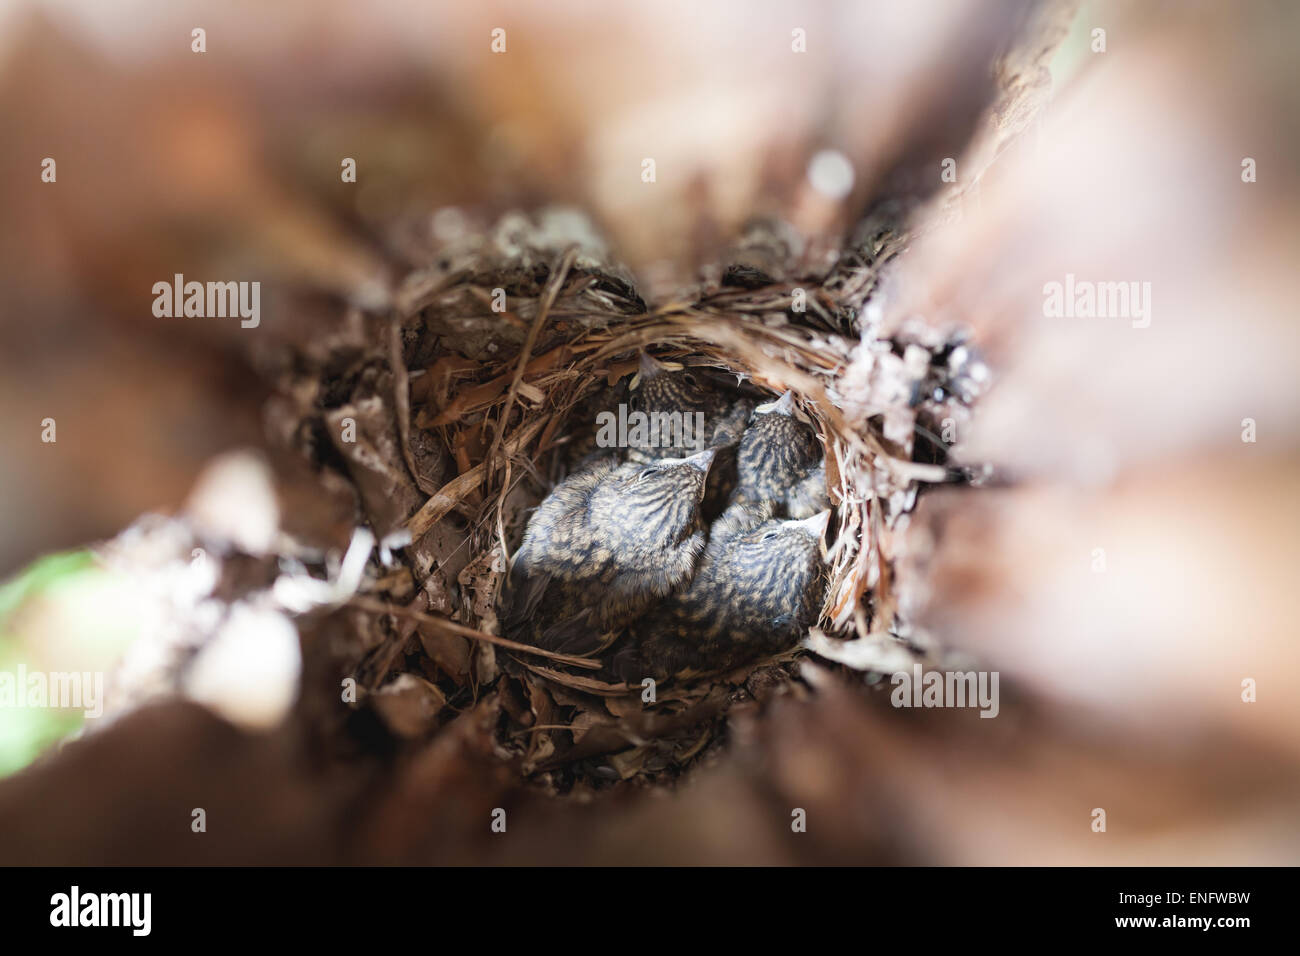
779	461
758	589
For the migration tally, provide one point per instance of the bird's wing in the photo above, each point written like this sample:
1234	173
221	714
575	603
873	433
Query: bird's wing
521	596
576	634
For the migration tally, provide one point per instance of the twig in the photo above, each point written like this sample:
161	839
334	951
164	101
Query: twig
402	401
446	497
451	627
547	300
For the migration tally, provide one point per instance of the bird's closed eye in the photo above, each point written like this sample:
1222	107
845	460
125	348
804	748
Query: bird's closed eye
645	473
769	535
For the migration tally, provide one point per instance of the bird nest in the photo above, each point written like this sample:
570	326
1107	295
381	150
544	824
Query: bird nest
492	367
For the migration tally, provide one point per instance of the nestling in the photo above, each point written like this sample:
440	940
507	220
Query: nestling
602	547
663	392
778	461
667	395
758	590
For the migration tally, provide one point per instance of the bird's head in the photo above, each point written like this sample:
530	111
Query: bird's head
666	387
655	504
777	541
776	449
775	568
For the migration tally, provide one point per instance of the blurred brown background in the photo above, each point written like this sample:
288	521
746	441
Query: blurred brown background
1122	689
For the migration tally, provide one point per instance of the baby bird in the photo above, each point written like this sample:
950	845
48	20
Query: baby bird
661	393
780	461
601	548
758	590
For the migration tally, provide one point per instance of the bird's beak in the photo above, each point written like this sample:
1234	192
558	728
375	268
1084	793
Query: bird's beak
702	460
817	523
782	406
650	366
